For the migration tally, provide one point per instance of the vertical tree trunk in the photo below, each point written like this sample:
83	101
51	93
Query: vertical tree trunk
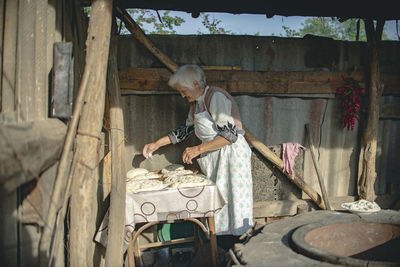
370	136
116	224
86	156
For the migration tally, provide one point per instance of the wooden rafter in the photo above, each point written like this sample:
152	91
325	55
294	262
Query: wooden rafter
154	80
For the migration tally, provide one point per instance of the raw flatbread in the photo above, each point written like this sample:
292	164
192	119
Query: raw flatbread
172	167
144	185
187	181
136	171
149	175
178	173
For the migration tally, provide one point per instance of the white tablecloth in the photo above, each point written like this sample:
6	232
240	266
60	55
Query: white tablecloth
163	205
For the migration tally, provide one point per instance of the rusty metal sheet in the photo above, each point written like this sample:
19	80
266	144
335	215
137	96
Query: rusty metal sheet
62	80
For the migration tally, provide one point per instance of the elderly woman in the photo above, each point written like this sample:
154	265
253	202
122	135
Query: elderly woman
224	153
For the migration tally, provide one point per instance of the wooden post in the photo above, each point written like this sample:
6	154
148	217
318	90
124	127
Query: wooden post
370	135
274	159
88	141
114	252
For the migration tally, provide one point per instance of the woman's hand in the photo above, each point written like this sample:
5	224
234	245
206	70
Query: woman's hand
148	149
190	153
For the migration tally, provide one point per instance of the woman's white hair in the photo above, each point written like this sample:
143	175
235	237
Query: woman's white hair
185	76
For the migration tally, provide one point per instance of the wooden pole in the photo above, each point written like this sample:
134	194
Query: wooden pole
268	154
131	25
316	166
114	252
370	135
86	156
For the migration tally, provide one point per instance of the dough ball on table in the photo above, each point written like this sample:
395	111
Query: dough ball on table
135	172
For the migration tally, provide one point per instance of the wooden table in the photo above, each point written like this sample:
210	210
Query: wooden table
167	206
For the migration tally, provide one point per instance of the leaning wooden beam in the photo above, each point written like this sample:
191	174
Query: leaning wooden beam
155	80
370	135
86	155
131	25
115	251
274	159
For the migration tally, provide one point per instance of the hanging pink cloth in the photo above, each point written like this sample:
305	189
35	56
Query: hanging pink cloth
289	153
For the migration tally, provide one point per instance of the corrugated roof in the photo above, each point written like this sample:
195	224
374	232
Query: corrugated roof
342	9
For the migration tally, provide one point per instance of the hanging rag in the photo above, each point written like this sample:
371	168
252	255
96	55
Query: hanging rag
289	153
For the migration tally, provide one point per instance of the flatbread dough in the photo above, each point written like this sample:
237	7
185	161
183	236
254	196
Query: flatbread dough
144	185
172	167
187	181
135	171
149	175
177	173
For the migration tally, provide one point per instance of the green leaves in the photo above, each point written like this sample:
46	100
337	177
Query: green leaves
157	23
213	25
331	27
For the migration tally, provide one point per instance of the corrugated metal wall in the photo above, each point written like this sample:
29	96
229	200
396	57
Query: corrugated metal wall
274	119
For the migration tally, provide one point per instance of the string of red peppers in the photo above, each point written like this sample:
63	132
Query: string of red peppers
350	94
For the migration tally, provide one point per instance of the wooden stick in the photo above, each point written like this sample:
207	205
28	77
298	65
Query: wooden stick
210	67
268	154
316	166
131	25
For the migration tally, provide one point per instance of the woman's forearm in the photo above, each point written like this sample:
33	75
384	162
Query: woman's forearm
215	144
163	141
192	152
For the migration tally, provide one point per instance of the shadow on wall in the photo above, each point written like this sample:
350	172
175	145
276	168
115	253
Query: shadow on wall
19	245
170	154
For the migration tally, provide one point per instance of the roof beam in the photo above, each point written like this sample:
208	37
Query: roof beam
155	80
312	8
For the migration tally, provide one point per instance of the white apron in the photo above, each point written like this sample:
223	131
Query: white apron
230	168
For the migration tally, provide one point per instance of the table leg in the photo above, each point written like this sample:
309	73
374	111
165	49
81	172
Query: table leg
213	241
131	260
136	250
196	237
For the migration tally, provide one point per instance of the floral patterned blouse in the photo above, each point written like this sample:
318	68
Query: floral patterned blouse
220	110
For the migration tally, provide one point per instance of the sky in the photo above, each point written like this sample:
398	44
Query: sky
252	24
